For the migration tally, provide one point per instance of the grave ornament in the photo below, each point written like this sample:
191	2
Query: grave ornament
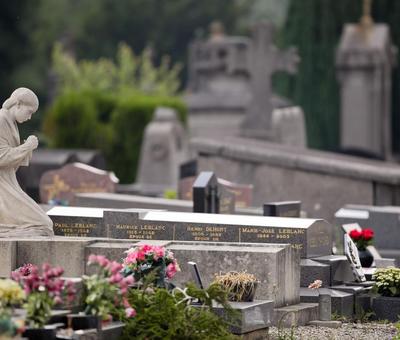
351	252
19	214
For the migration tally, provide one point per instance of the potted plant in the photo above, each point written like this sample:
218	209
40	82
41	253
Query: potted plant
43	291
241	286
11	294
105	294
147	259
363	238
386	306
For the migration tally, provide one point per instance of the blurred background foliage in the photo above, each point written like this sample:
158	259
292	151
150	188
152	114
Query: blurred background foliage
93	62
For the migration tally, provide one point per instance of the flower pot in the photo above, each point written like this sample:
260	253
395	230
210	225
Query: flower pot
366	258
83	321
386	308
39	333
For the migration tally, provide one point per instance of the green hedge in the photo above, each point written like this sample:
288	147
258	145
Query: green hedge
111	123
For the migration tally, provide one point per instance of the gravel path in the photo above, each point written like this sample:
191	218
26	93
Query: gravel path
348	331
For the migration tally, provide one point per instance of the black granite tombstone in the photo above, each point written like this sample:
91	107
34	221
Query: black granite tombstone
282	209
205	193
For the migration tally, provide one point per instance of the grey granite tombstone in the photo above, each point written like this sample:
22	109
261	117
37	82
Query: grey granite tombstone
77	221
62	184
164	147
364	62
311	237
265	60
283	209
288	125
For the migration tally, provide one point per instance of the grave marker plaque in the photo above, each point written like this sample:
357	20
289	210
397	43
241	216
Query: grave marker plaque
77	221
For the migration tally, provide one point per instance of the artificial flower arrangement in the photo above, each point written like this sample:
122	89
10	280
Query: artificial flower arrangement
387	281
147	259
106	291
11	294
362	238
43	291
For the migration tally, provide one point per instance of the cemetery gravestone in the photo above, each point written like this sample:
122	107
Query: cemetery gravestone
164	147
265	60
187	176
211	197
364	62
42	160
311	237
283	209
62	184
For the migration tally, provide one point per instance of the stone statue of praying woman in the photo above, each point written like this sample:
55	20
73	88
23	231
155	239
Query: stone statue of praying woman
20	216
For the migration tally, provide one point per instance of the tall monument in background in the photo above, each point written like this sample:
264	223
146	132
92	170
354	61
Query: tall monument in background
364	62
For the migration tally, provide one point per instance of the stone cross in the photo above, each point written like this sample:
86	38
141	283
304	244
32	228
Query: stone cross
366	20
264	60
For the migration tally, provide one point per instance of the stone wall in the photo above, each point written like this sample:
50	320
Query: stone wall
323	181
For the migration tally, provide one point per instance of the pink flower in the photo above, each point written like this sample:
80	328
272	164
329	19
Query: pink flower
114	267
130	312
115	278
172	269
159	252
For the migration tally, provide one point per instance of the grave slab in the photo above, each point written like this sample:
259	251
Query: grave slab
252	316
342	302
57	251
276	266
296	315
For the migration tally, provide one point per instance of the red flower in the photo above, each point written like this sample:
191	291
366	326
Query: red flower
355	234
368	234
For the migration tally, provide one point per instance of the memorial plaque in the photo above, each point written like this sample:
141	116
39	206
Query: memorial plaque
77	222
283	209
64	183
128	225
311	237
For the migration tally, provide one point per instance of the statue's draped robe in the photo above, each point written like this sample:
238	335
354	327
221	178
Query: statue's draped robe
19	215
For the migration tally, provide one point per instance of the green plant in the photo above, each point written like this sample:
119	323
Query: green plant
136	73
387	281
11	294
43	291
397	336
105	291
170	194
129	118
239	285
282	333
170	315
